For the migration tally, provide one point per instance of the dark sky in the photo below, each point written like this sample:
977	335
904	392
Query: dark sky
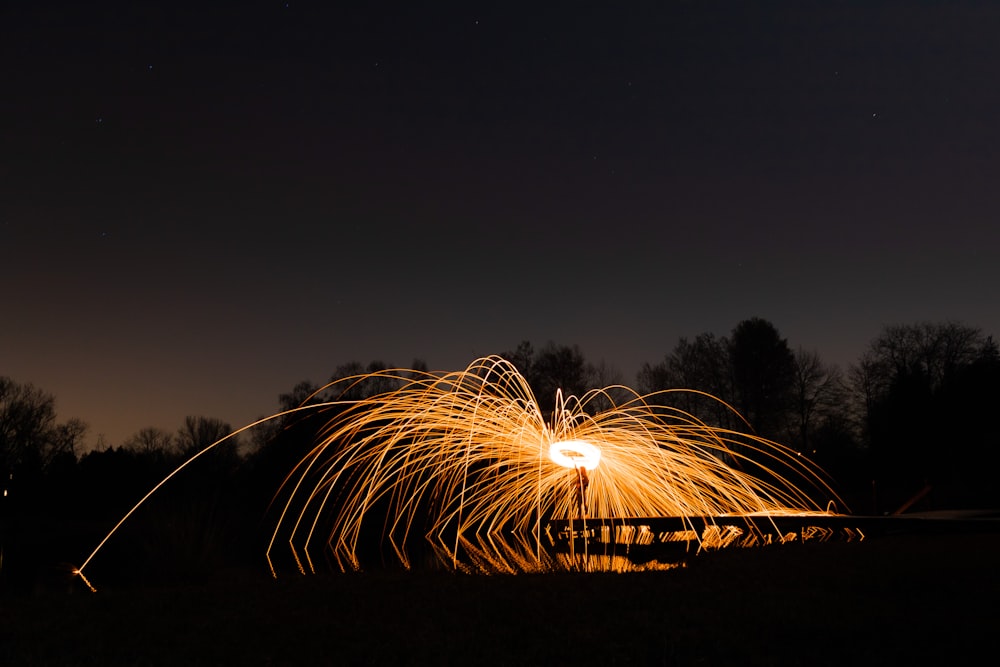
202	204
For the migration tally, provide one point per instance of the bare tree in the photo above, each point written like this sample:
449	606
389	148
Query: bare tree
301	394
153	442
200	432
609	379
817	395
523	358
417	368
929	353
700	370
552	368
922	390
64	439
30	437
353	381
603	374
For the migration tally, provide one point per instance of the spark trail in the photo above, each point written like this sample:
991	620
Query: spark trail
467	462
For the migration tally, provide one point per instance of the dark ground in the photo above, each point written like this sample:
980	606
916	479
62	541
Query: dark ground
892	600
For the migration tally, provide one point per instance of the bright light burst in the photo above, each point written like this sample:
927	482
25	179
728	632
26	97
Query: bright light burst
468	461
469	458
575	454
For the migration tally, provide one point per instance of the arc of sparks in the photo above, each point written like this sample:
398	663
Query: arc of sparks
468	459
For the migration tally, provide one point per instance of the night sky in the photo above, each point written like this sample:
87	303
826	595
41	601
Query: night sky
202	204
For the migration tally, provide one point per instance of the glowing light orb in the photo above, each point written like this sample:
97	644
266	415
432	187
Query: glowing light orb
575	454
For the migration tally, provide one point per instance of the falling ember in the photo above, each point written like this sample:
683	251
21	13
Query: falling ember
467	463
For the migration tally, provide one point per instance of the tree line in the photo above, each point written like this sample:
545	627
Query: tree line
908	426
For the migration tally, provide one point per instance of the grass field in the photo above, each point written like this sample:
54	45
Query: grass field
892	600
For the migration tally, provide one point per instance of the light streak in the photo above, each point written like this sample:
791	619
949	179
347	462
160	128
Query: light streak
467	464
575	454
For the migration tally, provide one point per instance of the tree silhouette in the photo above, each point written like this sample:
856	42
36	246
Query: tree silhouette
554	367
702	365
153	442
37	466
925	391
818	397
763	374
200	432
30	437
